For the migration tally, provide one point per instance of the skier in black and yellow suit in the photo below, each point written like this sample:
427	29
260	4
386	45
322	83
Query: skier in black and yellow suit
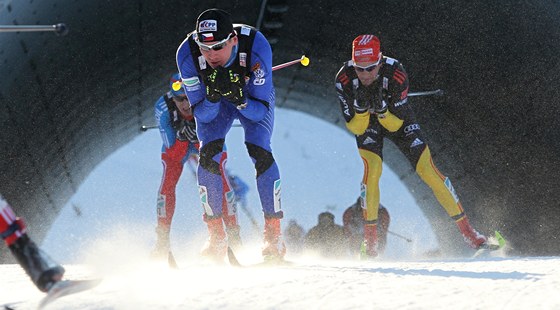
372	91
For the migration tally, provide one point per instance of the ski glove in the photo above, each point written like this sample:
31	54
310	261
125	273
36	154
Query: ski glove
380	102
370	98
364	99
212	93
230	86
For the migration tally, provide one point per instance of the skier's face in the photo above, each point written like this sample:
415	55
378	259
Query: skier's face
219	57
367	72
183	104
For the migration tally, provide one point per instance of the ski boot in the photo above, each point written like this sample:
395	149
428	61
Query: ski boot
274	248
473	238
162	247
384	220
368	249
42	270
216	246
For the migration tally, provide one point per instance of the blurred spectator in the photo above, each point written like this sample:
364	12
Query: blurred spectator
327	238
293	236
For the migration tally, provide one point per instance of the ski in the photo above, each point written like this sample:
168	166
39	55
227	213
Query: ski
171	261
67	287
233	261
488	248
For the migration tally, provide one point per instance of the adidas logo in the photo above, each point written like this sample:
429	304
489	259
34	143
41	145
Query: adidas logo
368	140
416	142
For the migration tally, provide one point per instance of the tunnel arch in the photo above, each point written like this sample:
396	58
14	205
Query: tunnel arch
68	102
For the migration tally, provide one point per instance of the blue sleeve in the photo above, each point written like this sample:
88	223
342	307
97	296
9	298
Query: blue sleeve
204	110
163	121
259	87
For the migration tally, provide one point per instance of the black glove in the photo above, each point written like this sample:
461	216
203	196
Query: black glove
230	86
187	132
380	102
368	97
364	99
212	93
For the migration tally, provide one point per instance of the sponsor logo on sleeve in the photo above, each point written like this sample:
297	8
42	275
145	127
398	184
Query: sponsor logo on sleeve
259	77
243	59
345	108
192	81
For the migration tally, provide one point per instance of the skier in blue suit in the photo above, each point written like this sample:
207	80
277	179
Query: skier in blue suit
227	73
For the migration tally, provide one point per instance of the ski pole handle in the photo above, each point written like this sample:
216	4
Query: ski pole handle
303	60
60	29
437	92
146	127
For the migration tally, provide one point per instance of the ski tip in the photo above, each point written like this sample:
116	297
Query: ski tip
171	261
500	238
232	258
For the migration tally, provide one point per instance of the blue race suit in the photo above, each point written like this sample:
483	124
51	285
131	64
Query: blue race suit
252	59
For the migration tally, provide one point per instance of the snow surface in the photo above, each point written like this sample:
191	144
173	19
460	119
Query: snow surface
508	283
107	230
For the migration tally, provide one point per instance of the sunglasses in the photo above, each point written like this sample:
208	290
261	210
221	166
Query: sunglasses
180	98
216	46
368	68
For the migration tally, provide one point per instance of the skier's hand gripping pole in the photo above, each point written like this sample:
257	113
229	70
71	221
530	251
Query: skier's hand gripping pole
304	61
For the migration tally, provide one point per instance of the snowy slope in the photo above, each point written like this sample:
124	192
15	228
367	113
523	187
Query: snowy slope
513	283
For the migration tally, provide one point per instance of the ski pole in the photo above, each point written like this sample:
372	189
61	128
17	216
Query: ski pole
400	236
146	127
59	29
437	92
303	60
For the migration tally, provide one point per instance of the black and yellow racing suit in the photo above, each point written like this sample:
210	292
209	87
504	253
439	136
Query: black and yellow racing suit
399	125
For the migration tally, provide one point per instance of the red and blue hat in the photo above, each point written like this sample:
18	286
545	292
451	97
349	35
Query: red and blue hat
176	85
